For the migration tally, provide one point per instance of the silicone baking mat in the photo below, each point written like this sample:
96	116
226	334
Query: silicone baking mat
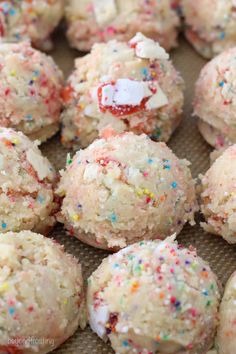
186	143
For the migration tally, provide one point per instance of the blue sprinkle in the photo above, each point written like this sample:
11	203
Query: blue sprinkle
116	265
205	292
29	117
79	206
12	12
4	225
167	167
221	84
113	217
222	35
11	310
174	185
125	343
36	72
150	161
144	71
40	199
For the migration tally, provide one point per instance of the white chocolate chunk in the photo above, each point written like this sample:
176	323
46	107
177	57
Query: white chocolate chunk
105	11
98	318
39	163
108	93
130	92
158	100
125	92
91	172
146	48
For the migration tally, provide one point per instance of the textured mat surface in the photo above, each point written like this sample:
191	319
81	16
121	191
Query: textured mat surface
186	143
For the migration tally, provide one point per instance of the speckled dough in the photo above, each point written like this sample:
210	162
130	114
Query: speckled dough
226	334
129	86
210	25
124	189
91	21
154	297
34	20
215	100
218	198
41	294
27	181
30	89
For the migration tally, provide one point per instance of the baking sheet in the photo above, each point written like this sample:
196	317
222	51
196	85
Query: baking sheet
186	143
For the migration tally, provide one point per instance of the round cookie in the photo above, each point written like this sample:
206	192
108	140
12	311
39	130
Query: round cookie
34	20
129	86
226	334
41	294
30	90
154	297
123	189
210	25
215	100
218	197
92	21
27	182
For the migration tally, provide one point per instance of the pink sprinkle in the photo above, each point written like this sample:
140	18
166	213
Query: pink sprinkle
145	174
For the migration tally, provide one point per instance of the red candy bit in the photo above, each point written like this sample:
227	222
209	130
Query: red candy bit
67	94
121	110
104	161
133	45
1	29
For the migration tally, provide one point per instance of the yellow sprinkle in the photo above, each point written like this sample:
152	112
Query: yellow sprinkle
4	287
139	193
146	191
65	301
13	73
151	195
76	217
15	141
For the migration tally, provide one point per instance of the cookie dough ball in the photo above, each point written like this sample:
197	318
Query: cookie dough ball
30	89
129	86
218	197
124	189
154	297
226	335
41	288
95	21
215	100
34	20
27	181
210	25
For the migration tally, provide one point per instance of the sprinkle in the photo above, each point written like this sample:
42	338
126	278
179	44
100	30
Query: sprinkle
125	343
76	217
69	160
174	185
11	310
221	84
4	225
222	35
40	199
150	161
135	286
4	287
113	217
13	73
